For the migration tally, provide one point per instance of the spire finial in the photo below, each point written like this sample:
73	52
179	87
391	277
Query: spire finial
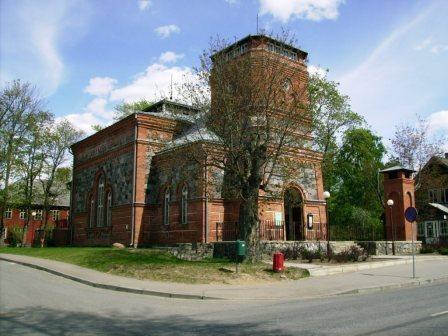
171	88
257	23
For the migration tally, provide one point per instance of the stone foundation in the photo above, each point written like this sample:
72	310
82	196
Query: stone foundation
199	251
192	252
385	247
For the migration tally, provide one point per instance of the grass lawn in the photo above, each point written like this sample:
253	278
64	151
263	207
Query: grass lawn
158	265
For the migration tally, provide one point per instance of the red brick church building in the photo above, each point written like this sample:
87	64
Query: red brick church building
136	183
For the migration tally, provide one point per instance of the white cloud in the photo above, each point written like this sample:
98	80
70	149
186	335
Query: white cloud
95	113
165	31
170	57
436	49
231	2
100	86
31	33
317	70
144	4
98	107
153	84
428	44
314	10
438	121
82	121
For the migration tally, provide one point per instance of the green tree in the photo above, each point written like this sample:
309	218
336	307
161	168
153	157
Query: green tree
125	109
357	197
332	115
19	106
58	141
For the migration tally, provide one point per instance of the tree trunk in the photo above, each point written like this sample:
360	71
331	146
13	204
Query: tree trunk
249	225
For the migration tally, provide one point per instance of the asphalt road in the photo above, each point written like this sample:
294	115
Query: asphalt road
33	302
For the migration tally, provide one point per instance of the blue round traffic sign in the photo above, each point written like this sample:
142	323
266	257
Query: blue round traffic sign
411	214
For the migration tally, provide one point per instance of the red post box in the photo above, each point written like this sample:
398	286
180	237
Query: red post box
278	262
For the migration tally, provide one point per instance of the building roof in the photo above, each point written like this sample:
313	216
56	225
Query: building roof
440	207
396	168
300	52
197	132
172	110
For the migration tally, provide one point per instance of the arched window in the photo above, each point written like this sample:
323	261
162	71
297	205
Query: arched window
109	211
166	207
184	205
92	212
100	203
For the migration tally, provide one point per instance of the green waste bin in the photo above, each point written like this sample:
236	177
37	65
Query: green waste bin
240	248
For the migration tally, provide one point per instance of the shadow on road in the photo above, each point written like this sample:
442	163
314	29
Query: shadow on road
43	321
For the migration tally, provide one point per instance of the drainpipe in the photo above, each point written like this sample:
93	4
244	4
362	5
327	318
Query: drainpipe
134	173
206	229
70	218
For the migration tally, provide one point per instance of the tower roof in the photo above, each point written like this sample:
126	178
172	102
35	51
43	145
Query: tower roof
261	37
396	169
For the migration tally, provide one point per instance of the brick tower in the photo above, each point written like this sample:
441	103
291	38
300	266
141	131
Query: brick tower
399	187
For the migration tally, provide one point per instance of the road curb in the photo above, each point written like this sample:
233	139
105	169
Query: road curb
113	287
332	270
415	283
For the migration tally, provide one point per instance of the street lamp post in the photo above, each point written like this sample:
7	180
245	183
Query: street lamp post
390	203
326	197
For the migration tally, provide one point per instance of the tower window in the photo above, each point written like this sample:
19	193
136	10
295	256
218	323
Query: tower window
100	203
8	214
282	51
184	205
166	207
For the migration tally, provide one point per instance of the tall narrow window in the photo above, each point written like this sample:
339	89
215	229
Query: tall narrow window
55	215
100	203
109	211
92	212
166	207
8	213
184	205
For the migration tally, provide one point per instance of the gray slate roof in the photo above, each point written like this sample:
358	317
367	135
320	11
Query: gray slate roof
440	207
396	168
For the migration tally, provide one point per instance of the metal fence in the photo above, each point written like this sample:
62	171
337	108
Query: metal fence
269	230
356	233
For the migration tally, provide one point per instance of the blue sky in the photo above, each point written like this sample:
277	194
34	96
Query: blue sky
391	57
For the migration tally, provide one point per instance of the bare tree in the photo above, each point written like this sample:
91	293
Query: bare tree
31	157
59	139
258	117
413	145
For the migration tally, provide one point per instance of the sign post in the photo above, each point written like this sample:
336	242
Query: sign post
411	215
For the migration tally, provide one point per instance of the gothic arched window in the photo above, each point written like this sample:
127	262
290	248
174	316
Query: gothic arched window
109	211
184	205
100	203
92	212
166	207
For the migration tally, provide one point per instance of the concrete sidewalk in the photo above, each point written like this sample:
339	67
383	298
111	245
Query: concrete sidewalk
344	283
376	262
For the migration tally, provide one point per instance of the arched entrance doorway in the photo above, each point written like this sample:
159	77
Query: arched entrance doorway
293	210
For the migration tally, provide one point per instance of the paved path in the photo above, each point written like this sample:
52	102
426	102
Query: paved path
34	302
361	281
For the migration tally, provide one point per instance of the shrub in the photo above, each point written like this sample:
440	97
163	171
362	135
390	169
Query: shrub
312	254
293	252
427	249
444	251
15	235
354	253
